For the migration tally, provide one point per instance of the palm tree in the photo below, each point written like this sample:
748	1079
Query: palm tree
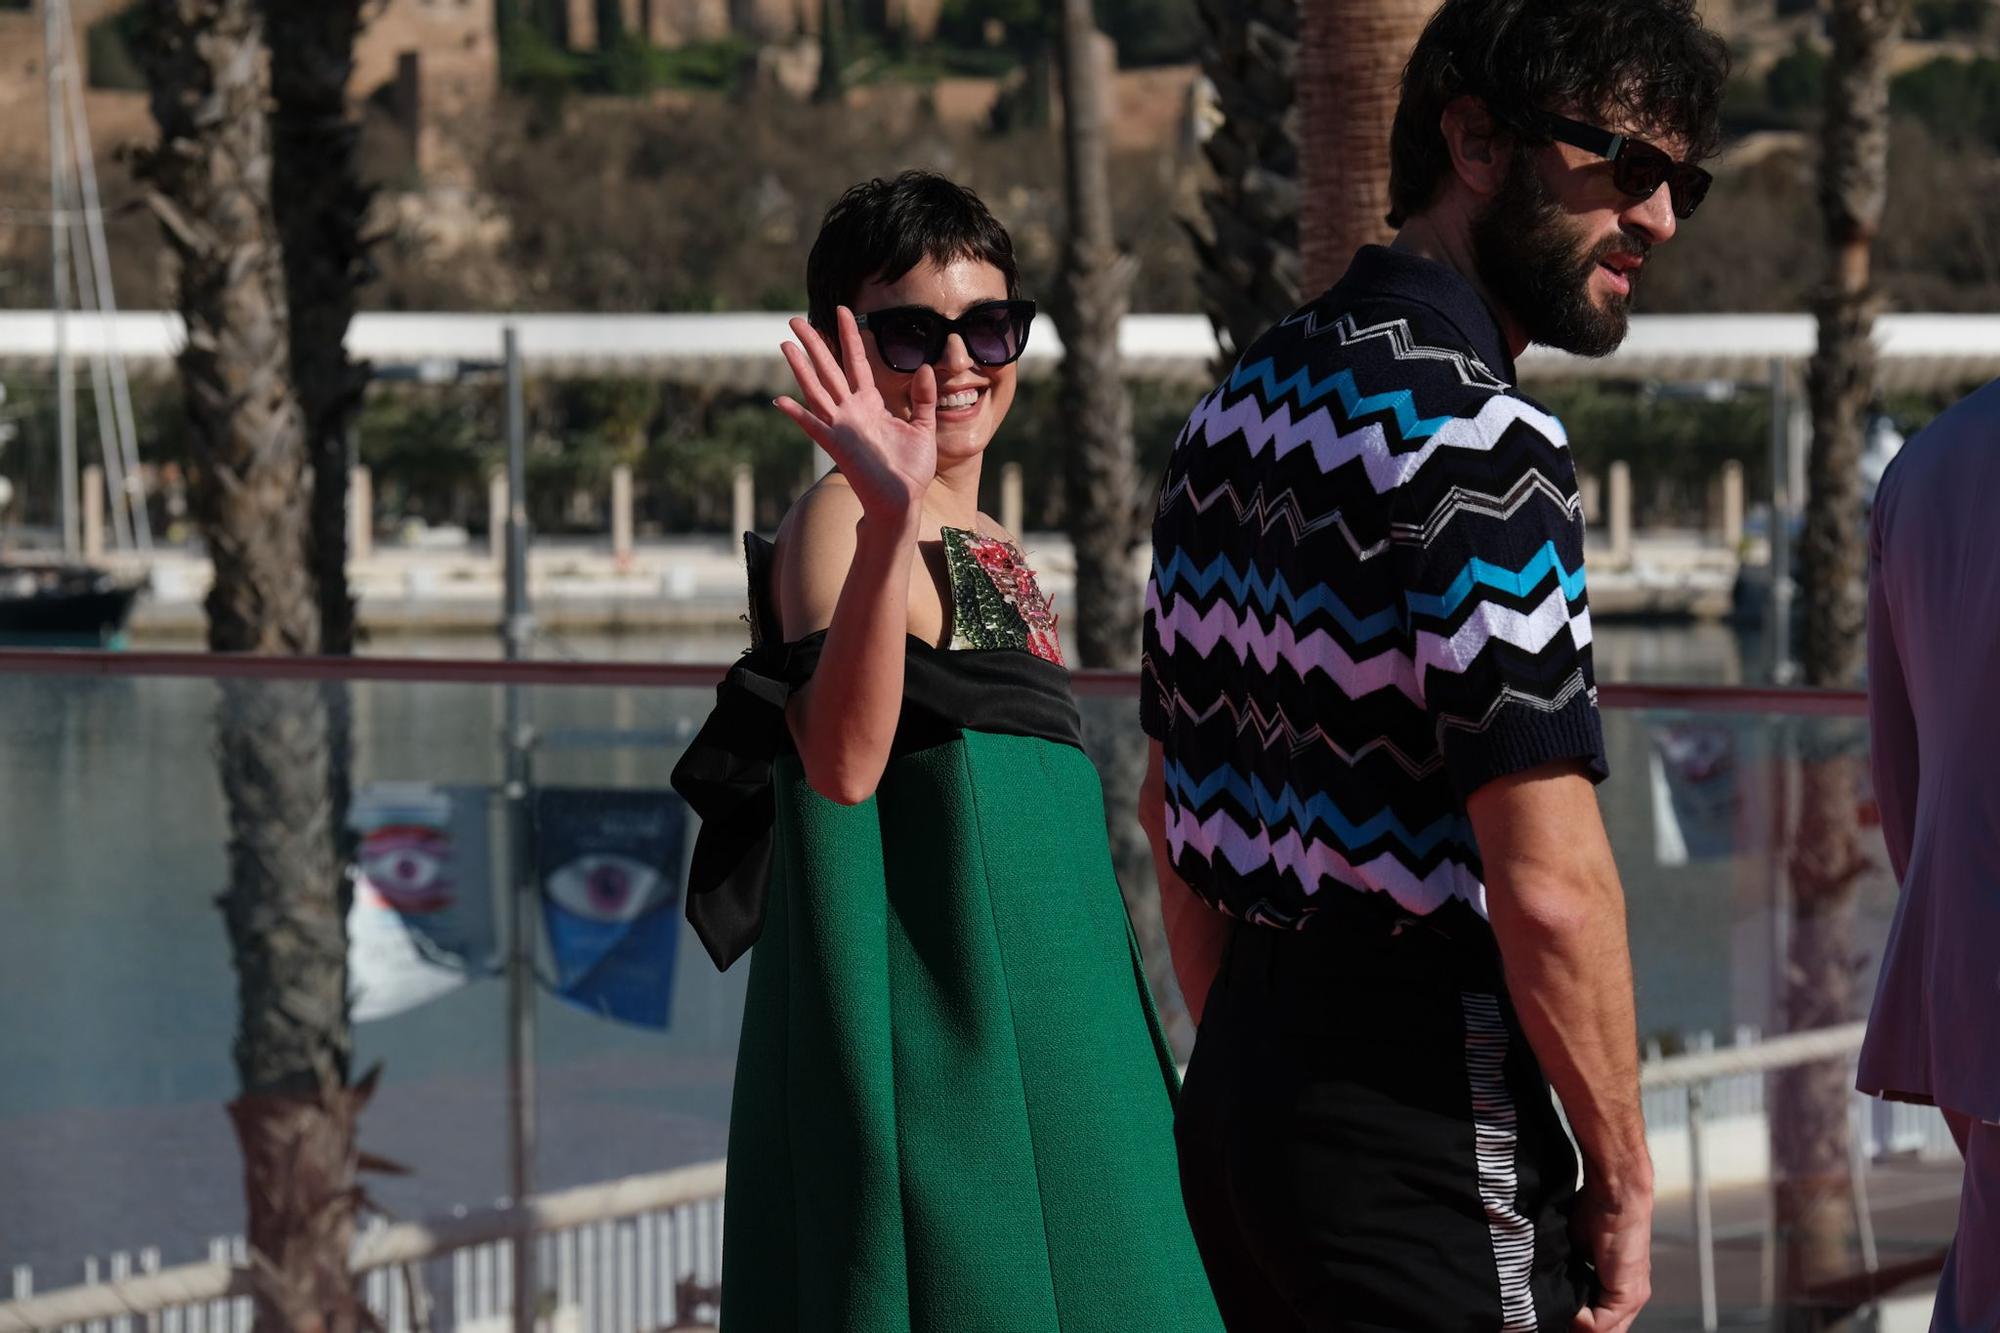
1102	503
1249	248
1094	294
832	85
209	184
1308	91
321	205
1350	74
1814	1200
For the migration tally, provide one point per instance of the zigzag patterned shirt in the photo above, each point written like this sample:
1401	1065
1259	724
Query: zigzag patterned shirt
1367	601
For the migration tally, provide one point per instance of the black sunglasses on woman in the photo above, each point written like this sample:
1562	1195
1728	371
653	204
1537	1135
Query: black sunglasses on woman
995	333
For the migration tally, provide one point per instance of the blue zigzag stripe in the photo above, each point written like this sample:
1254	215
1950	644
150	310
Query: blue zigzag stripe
1271	807
1478	573
1309	391
1268	592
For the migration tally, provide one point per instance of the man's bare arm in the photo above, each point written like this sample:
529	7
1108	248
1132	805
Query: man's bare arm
1559	913
1196	932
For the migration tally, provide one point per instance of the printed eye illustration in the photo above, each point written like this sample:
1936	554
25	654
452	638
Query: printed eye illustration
607	888
410	867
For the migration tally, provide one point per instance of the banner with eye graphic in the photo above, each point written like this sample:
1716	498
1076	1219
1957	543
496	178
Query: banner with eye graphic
423	913
610	864
1697	799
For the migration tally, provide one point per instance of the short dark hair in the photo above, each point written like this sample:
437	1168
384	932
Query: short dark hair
1641	62
881	229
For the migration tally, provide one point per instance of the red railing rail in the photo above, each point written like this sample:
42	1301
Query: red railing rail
464	671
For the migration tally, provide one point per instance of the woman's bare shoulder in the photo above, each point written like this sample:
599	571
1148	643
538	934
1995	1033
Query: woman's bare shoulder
815	546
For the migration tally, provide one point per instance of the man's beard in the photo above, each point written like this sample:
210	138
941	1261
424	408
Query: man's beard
1527	254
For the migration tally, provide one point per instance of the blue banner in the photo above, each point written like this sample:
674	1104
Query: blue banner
610	865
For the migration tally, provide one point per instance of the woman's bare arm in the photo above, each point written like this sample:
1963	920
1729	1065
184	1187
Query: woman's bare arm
844	558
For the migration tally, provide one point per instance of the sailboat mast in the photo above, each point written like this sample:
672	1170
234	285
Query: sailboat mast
55	66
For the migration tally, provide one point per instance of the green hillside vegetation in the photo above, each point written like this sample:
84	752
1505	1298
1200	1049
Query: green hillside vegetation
607	198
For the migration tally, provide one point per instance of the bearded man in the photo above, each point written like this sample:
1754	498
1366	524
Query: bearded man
1390	898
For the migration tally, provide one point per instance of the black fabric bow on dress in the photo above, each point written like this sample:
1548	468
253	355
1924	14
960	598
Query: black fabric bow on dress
726	773
725	776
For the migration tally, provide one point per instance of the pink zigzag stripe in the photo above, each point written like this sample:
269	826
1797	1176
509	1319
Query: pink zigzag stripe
1331	448
1314	861
1533	632
1248	639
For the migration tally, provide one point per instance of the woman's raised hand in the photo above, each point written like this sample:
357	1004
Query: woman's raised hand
888	461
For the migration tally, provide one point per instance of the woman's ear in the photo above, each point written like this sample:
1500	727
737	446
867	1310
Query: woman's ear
1480	148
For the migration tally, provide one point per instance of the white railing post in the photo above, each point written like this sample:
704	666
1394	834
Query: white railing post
149	1263
91	1277
244	1309
1857	1170
121	1268
1704	1215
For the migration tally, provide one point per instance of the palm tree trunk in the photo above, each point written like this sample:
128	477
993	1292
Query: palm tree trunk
321	205
832	85
1248	250
1350	75
209	183
1102	504
1809	1118
1095	293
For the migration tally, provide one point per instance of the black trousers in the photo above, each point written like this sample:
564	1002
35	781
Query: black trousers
1367	1143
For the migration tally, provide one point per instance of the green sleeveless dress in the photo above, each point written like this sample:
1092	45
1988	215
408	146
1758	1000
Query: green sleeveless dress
954	1105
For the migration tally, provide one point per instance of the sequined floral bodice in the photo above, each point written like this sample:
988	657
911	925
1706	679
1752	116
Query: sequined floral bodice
996	602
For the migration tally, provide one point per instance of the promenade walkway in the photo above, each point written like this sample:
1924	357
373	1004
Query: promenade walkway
1915	1209
682	583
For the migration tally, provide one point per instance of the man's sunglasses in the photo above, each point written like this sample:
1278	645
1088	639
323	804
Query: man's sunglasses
1639	169
995	333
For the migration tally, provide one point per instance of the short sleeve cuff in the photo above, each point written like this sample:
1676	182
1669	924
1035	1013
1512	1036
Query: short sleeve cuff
1520	737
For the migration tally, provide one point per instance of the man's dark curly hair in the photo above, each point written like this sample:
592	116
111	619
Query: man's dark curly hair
1643	63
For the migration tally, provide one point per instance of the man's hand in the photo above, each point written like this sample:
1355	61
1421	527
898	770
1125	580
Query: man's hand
1617	1235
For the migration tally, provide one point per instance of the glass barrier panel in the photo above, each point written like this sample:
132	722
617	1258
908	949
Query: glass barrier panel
126	1020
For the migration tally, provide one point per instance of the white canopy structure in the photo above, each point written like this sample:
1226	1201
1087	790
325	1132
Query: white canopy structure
1918	352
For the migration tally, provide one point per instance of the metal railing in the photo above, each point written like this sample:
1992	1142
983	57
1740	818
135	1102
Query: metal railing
1696	1072
635	1289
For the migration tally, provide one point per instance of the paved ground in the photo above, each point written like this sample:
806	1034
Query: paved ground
1915	1210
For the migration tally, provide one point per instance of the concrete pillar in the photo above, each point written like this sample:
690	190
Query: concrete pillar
743	502
93	512
496	519
1010	499
1732	506
621	513
1590	488
360	514
1621	514
660	29
580	24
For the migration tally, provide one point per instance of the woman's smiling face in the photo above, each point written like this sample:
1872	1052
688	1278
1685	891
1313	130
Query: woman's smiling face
972	399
